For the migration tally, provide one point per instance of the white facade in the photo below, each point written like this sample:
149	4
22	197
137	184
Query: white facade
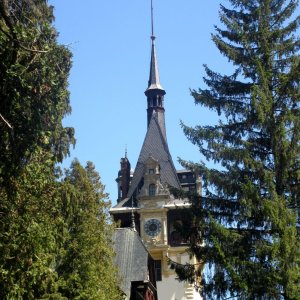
171	289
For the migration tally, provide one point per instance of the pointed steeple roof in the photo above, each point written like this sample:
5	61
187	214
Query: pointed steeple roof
155	145
153	82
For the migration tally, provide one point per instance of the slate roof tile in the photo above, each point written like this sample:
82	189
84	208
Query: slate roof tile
155	145
131	258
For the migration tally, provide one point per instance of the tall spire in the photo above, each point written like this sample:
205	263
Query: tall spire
154	82
154	92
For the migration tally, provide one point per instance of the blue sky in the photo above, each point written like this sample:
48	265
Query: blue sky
110	42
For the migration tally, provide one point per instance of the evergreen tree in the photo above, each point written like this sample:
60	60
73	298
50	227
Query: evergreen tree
33	100
244	225
54	235
29	232
86	265
34	70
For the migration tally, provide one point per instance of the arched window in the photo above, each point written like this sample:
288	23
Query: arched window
152	190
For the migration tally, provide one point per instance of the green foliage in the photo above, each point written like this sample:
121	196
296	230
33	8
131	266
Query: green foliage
33	90
28	232
247	217
55	235
86	264
34	70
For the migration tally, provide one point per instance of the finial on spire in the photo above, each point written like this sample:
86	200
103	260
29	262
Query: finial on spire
125	150
152	26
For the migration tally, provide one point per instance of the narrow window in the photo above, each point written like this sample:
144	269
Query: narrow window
152	190
154	101
157	266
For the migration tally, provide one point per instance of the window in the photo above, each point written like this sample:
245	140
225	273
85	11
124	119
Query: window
152	190
154	101
159	101
157	266
151	171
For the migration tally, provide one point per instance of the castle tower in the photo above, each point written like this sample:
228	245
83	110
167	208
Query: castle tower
149	196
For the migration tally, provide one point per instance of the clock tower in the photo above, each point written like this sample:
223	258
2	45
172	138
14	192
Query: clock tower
149	198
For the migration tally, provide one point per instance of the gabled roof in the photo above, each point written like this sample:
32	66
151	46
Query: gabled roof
131	258
155	145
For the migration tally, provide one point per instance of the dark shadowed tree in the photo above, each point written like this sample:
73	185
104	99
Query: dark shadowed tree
244	225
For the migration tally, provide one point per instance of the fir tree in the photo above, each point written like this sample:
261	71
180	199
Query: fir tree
86	264
244	225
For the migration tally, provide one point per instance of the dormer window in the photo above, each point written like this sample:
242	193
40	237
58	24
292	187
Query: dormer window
152	190
151	171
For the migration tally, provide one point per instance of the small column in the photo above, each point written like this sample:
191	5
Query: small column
165	231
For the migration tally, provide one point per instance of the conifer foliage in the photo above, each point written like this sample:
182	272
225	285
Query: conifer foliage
86	262
54	233
244	225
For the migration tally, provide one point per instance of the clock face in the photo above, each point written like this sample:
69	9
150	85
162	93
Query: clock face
152	227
